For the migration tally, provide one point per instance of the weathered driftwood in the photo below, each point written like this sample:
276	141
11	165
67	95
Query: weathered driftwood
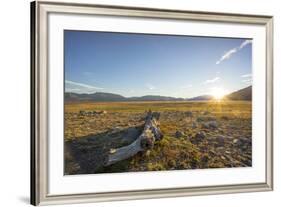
145	141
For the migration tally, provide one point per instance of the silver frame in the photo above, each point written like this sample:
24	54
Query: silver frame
39	100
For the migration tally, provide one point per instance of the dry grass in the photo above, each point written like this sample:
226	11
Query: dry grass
228	144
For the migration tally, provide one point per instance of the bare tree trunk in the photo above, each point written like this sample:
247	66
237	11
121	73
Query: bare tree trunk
145	141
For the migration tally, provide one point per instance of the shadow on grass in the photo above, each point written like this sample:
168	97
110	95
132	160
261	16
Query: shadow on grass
86	155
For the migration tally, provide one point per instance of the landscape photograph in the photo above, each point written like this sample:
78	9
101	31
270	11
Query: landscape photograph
154	102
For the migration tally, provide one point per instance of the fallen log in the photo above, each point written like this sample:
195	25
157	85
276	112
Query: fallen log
151	133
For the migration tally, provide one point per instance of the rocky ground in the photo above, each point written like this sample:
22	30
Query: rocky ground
196	136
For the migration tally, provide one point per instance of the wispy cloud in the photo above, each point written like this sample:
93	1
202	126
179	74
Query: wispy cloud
150	86
247	80
82	85
246	42
73	90
246	75
212	80
229	53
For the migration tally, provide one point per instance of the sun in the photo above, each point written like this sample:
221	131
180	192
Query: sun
218	93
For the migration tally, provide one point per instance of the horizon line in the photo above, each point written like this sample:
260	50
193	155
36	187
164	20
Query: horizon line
85	93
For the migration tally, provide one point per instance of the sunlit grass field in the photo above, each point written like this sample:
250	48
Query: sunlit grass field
189	142
132	107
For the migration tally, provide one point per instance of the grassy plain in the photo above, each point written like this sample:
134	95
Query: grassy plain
197	135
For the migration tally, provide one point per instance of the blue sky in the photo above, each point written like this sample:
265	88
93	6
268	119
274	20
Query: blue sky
143	64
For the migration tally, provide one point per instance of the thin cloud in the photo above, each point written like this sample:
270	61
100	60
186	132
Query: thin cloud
229	53
246	42
72	89
150	86
247	78
247	81
82	85
246	75
212	80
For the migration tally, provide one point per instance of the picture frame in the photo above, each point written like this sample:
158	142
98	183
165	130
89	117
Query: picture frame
40	101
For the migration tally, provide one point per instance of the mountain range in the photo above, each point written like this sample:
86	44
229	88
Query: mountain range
243	94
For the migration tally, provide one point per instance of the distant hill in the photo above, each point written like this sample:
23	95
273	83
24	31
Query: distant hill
98	96
242	94
110	97
201	98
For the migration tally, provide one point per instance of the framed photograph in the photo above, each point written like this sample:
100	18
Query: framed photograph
134	103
